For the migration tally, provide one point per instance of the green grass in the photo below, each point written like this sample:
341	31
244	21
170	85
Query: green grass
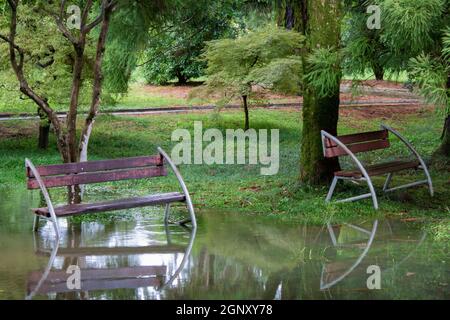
241	187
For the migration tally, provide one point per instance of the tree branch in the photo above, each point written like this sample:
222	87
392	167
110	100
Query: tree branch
98	79
59	22
18	70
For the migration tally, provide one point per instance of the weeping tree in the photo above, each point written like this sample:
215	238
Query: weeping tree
365	49
170	37
130	35
319	22
418	32
266	58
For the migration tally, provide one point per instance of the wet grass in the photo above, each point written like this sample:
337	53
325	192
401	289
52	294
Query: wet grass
241	187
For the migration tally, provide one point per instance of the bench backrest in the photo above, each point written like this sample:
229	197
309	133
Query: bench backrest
69	174
358	142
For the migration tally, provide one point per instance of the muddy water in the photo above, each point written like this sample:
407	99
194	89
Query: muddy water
229	256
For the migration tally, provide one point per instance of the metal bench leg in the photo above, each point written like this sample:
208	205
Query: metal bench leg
166	213
189	205
388	181
36	223
372	191
430	183
331	191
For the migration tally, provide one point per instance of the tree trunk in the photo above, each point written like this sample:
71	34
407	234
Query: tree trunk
245	105
378	71
444	148
320	22
318	114
182	79
44	130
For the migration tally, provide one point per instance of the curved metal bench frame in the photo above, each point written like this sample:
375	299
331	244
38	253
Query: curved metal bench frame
48	201
53	217
372	233
365	175
185	191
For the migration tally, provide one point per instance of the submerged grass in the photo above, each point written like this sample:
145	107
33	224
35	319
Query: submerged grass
241	187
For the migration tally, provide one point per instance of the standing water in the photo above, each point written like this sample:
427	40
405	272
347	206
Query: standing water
229	256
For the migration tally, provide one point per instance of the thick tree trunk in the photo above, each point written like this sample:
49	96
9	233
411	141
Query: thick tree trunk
44	130
444	148
318	114
245	105
321	25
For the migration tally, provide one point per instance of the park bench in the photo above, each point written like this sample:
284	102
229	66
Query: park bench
349	145
70	174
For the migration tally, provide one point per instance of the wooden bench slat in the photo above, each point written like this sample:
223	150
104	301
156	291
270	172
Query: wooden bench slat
355	148
100	165
97	177
91	273
103	284
359	137
74	209
114	251
380	169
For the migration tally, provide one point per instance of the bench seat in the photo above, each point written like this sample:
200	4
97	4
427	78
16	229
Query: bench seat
120	204
379	169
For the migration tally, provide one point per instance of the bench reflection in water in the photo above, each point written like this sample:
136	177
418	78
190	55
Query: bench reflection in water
351	256
53	279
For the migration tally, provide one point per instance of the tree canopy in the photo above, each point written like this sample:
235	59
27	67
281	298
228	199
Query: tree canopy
267	58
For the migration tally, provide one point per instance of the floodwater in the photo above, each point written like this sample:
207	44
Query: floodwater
229	256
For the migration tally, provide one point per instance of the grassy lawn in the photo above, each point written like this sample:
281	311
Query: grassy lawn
241	187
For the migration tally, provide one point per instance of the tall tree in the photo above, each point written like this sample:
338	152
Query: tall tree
266	58
70	150
320	22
